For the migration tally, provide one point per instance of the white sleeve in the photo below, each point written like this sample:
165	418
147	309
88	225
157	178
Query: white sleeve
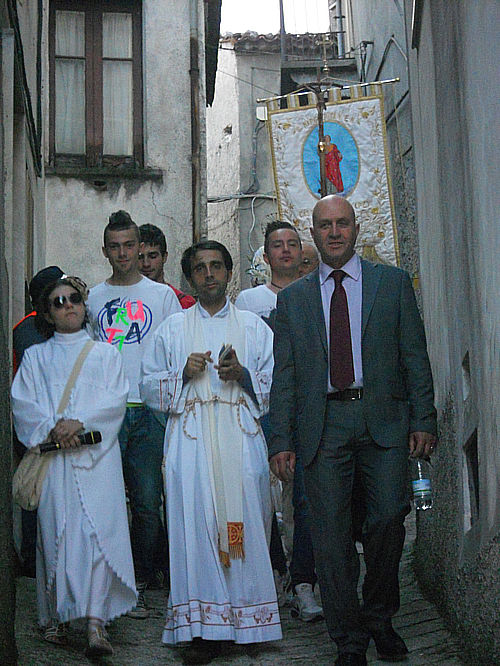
260	362
240	301
161	372
33	417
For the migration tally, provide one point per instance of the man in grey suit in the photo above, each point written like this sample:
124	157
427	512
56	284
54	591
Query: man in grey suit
359	406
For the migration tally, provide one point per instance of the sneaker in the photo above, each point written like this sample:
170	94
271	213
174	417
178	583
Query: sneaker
140	610
304	605
99	645
280	582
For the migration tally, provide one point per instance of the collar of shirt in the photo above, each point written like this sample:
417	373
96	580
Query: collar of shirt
221	313
352	268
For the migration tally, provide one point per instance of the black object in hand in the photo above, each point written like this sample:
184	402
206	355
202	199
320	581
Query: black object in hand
86	438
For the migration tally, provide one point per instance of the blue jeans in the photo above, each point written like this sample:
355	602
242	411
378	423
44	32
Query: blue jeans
302	564
141	443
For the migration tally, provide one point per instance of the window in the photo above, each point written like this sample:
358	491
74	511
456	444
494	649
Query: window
95	83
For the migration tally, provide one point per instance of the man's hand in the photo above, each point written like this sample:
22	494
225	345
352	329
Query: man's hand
65	433
283	465
230	370
421	444
197	363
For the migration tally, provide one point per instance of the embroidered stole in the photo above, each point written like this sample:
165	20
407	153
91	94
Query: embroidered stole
222	432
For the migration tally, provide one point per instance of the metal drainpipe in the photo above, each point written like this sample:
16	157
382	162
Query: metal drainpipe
340	29
283	55
194	73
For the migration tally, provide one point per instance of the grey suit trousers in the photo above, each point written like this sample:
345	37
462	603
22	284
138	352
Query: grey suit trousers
347	448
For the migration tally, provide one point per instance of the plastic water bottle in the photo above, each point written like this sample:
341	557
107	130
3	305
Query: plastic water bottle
421	484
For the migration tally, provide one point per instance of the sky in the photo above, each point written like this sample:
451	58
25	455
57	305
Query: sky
263	16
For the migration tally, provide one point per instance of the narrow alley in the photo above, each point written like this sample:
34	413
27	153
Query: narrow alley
138	643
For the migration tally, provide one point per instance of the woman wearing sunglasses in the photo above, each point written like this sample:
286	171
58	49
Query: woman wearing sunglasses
84	563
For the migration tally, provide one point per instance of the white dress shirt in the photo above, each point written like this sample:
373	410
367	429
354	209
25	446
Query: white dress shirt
353	283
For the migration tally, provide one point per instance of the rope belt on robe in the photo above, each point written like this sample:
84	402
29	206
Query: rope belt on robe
222	434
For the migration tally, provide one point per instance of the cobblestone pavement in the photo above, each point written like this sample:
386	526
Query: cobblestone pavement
138	642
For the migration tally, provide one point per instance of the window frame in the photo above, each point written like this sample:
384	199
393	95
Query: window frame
93	156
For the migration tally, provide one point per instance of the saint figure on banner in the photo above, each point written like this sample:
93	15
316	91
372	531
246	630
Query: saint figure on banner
333	157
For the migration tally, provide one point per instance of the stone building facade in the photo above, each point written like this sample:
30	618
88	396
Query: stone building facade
143	150
102	106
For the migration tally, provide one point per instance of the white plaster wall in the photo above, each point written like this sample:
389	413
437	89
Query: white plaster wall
378	21
241	80
27	13
480	69
260	77
454	100
20	179
223	157
77	213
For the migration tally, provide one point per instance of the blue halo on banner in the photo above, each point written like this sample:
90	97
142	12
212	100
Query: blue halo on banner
343	171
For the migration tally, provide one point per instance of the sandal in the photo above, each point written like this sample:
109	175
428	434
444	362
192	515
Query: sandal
56	633
99	645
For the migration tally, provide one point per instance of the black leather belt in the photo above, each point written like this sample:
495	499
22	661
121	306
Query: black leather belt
346	394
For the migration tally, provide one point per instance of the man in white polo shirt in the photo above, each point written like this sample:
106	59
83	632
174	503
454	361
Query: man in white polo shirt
125	310
285	255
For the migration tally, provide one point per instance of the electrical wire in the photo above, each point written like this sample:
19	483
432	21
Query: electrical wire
247	82
252	227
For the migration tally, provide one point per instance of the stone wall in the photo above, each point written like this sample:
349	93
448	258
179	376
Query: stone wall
454	107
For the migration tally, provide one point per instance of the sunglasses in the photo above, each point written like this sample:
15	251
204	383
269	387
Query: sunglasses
58	302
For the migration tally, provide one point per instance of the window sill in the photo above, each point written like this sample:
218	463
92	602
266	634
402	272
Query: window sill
105	173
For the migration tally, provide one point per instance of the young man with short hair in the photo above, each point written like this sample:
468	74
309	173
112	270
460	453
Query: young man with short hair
125	310
283	253
153	257
210	367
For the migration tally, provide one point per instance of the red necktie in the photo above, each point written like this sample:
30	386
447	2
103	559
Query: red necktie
341	363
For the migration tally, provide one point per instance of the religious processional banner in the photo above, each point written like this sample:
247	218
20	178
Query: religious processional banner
356	164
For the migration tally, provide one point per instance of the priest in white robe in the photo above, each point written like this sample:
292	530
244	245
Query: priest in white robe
84	563
210	367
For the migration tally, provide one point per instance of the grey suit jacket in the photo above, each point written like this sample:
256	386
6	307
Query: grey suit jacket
398	391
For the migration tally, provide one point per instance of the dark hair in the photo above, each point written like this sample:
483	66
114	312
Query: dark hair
152	235
46	328
274	226
119	221
190	253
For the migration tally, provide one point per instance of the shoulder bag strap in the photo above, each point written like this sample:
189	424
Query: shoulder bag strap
74	375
